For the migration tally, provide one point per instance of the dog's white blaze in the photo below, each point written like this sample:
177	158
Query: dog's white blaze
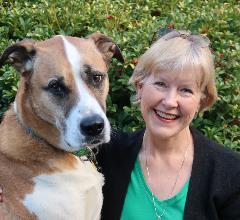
86	106
82	186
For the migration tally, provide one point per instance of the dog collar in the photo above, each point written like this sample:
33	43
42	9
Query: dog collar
90	155
31	132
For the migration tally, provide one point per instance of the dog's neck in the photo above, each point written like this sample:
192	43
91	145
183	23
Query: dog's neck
30	131
36	127
17	144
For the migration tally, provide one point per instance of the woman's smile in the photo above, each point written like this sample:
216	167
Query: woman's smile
166	116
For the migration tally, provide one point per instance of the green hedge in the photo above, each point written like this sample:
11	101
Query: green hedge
131	24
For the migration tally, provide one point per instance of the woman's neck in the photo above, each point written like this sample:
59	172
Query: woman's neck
174	145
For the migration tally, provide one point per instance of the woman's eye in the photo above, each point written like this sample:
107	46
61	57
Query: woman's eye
186	90
97	78
160	84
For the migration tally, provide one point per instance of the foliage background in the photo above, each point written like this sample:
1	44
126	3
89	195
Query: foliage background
131	24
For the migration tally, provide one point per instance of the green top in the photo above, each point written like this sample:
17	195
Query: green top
138	203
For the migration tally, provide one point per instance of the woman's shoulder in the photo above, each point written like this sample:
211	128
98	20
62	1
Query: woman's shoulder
121	139
221	155
121	143
215	177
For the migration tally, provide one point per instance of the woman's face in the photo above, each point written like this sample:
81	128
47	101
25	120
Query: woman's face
169	102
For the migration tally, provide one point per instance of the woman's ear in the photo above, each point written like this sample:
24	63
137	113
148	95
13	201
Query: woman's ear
139	86
203	101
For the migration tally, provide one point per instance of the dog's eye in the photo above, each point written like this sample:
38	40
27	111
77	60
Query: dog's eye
97	78
57	88
54	84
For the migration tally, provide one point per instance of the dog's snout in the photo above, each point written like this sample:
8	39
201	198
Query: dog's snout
92	125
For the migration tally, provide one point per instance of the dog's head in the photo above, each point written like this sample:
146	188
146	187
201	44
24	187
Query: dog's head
63	88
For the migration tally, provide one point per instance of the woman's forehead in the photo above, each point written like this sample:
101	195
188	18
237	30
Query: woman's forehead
186	75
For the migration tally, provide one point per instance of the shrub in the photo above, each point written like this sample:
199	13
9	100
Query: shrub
131	24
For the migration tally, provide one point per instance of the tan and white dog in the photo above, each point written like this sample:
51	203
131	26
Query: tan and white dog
59	108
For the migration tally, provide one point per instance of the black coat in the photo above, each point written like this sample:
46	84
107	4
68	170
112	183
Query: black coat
214	188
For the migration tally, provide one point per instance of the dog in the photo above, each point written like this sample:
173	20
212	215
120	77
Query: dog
59	108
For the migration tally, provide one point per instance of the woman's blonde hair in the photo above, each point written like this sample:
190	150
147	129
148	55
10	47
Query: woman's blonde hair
175	55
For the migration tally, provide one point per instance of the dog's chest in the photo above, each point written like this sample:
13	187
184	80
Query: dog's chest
73	194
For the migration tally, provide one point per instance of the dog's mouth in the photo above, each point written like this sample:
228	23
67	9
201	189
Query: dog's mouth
94	143
90	143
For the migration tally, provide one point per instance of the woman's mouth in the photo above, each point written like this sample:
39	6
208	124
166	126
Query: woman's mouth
166	116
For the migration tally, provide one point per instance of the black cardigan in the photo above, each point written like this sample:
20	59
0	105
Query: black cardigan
214	188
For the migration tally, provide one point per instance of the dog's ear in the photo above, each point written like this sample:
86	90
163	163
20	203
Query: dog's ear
20	55
107	47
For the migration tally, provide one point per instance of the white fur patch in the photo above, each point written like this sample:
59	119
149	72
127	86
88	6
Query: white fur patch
69	195
87	105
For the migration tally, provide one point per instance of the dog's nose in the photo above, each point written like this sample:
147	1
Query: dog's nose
92	126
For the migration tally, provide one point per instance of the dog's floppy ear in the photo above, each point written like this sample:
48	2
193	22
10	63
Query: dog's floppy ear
20	55
107	47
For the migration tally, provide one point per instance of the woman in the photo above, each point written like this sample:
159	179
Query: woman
169	170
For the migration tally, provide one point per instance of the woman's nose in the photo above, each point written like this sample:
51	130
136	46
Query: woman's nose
170	99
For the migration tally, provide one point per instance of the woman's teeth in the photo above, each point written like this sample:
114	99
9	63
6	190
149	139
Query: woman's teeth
166	116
